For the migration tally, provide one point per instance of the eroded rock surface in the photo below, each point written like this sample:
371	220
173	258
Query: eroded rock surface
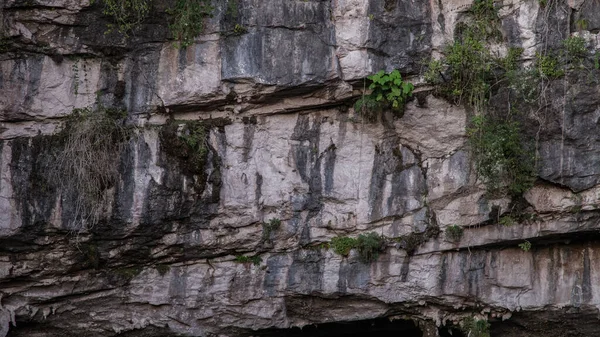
283	141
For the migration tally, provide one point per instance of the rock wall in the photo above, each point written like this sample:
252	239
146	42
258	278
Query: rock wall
284	142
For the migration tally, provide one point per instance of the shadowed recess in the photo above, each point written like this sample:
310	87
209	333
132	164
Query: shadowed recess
381	327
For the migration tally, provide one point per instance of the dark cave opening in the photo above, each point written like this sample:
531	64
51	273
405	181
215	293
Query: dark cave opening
380	327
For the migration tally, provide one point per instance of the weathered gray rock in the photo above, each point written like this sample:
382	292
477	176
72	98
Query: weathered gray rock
282	142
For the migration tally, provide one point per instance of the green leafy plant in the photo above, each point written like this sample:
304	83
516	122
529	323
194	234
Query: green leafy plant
454	233
387	91
525	246
475	327
188	19
342	245
255	260
369	246
507	220
548	66
239	30
575	48
127	14
502	161
543	3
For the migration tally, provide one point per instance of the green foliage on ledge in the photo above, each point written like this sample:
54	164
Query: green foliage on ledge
503	162
187	19
388	91
127	14
255	260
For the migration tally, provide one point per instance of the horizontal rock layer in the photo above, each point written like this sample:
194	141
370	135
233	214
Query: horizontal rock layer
283	142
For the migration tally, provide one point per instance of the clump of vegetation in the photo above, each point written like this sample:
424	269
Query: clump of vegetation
194	136
128	272
255	260
342	245
239	29
127	14
412	241
502	161
475	327
388	91
525	246
162	269
87	161
270	227
188	19
507	221
575	49
548	66
454	233
369	246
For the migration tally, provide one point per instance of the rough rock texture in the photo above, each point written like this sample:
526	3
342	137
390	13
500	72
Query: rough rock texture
283	142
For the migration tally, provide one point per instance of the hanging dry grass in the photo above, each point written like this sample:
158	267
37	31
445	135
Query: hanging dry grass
87	165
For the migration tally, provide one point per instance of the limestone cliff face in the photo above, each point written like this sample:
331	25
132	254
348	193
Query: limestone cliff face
284	142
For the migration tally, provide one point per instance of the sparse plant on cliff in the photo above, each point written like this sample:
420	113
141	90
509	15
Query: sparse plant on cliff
255	260
454	233
127	14
369	246
388	91
87	162
475	327
270	227
502	161
188	19
525	246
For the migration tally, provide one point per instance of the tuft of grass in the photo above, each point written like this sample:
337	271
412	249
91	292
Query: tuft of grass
255	260
454	233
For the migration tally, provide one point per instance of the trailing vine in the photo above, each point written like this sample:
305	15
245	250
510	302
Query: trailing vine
187	19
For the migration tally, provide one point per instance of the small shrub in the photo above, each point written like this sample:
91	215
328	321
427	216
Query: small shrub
575	48
193	135
239	30
525	246
387	91
412	241
454	233
187	19
369	246
475	327
342	245
255	260
269	227
507	220
502	161
548	66
127	14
